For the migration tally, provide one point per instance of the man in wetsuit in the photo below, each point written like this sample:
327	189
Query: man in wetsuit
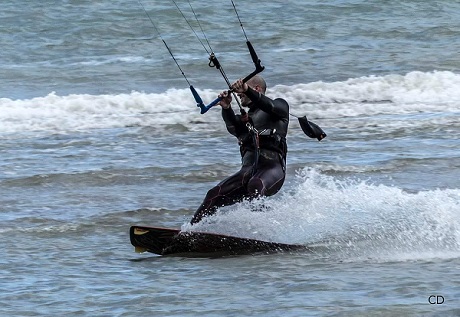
262	138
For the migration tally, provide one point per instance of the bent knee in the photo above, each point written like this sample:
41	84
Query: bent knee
259	187
275	187
213	192
256	187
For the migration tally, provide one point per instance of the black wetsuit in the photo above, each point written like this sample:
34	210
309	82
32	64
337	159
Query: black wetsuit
263	149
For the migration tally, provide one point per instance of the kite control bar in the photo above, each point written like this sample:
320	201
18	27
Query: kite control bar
199	102
213	62
255	60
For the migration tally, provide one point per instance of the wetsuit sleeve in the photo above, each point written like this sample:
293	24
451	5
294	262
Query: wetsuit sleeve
232	121
278	107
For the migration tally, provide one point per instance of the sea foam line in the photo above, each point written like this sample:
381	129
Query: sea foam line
416	92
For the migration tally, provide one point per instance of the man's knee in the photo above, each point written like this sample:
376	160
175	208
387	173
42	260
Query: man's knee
256	187
213	192
259	187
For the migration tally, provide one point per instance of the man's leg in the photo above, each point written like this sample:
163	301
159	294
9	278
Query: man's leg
227	192
268	179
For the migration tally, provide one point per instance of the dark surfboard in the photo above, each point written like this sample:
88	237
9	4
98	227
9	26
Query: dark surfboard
166	241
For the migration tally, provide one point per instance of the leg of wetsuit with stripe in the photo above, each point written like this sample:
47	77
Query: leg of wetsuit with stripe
265	181
227	192
269	176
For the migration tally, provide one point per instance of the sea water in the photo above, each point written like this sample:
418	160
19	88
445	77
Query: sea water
99	131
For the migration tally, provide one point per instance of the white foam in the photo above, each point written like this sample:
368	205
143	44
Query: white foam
392	94
352	217
121	59
416	92
82	112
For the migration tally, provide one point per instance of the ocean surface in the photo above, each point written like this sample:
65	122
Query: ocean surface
99	131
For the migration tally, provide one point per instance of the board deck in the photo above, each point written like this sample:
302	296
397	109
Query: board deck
167	241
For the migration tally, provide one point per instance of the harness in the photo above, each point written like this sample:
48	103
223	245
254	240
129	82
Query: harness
256	134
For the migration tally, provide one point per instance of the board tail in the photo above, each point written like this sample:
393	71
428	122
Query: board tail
151	239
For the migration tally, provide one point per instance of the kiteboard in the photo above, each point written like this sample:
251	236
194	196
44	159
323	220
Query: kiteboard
167	241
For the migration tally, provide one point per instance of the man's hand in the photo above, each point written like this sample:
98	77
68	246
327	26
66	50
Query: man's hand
239	86
226	99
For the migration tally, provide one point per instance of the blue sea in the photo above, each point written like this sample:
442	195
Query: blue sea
99	131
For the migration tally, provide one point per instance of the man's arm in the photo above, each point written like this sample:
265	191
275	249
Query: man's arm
233	122
278	107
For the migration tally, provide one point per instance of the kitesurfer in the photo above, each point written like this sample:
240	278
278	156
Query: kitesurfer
261	135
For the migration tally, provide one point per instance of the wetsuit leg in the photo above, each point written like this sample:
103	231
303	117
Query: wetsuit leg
227	192
268	179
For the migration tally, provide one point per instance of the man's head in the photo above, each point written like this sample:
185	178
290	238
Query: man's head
258	84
